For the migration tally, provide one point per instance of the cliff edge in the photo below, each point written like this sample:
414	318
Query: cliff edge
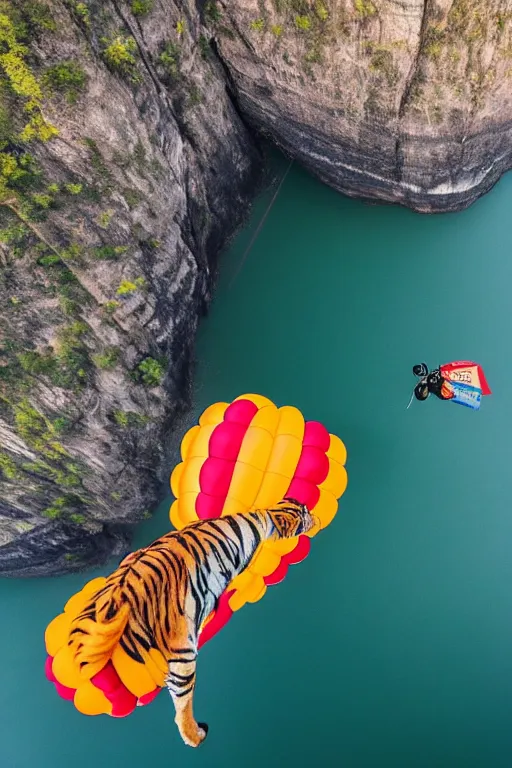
404	101
124	167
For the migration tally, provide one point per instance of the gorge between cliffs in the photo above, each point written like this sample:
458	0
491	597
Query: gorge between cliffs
131	150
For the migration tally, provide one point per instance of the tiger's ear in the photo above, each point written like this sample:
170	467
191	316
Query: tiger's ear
290	505
284	522
131	556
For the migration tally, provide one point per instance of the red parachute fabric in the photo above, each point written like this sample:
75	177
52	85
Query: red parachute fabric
462	365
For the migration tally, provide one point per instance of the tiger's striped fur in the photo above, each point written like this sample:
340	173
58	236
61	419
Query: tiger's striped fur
160	595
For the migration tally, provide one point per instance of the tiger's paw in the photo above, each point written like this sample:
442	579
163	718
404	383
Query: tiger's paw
197	738
203	728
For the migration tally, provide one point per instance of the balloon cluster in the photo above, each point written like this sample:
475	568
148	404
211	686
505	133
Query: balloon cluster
243	455
116	689
249	454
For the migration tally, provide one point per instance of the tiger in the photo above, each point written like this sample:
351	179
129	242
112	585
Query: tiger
159	597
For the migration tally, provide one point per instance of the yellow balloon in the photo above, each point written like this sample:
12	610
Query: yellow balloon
267	418
337	451
245	484
257	594
336	480
188	440
214	414
187	508
188	479
254	591
199	446
285	455
174	515
57	632
65	668
324	511
237	600
282	546
291	422
265	561
256	448
89	700
134	675
241	581
272	490
75	603
233	506
156	666
94	585
176	479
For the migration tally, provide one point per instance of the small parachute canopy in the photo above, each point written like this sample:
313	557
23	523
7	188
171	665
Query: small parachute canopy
463	382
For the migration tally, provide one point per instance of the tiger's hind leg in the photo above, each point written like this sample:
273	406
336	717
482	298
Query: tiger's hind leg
180	682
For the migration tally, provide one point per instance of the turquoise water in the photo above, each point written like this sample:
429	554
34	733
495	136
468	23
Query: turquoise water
390	646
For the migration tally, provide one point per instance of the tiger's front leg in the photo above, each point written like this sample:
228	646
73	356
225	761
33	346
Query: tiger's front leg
180	682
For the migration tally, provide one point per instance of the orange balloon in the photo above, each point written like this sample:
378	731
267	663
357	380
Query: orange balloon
57	632
75	603
94	585
337	451
89	700
265	561
134	675
188	440
65	668
214	414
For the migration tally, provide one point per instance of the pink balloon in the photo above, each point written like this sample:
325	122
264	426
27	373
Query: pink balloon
226	439
107	680
215	476
241	412
315	434
278	575
208	506
313	465
123	702
148	697
300	552
65	692
48	671
304	491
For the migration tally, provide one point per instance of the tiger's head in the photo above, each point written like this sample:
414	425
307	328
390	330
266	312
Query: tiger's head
290	519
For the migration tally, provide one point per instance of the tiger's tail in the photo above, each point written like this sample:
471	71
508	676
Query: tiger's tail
98	628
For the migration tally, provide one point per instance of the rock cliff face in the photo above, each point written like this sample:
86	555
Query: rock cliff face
406	101
110	231
124	166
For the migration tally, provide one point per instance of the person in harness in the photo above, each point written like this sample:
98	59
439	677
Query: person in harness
463	383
